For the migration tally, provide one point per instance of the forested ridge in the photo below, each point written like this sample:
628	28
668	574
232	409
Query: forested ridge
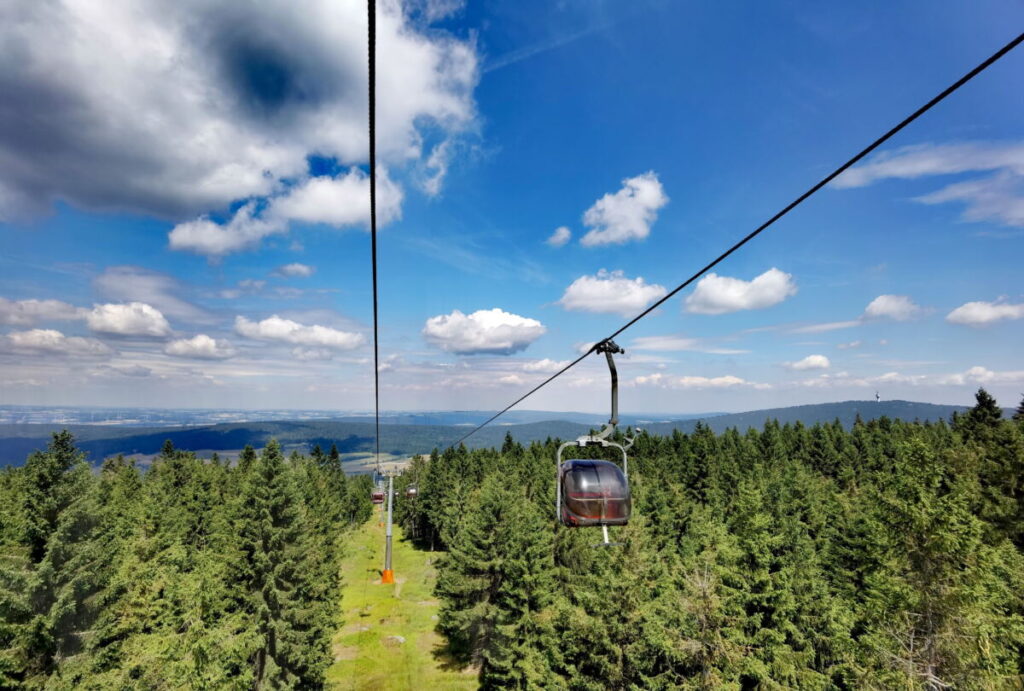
884	556
191	574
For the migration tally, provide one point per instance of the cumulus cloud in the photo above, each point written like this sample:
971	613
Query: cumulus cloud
809	362
29	312
131	319
136	284
211	239
334	201
167	109
560	237
896	307
295	270
716	294
982	313
983	375
484	331
341	201
998	197
52	342
727	381
625	215
681	343
610	292
200	347
275	328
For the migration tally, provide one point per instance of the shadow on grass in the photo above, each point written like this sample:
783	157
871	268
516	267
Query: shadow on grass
449	658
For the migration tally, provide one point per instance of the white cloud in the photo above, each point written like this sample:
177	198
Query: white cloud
201	347
275	328
727	381
136	284
922	160
167	109
484	331
514	379
49	341
716	294
560	237
680	343
109	372
295	270
545	366
627	214
243	231
28	312
611	293
341	201
849	346
338	202
998	197
312	354
828	326
131	319
983	375
810	362
982	313
897	307
244	287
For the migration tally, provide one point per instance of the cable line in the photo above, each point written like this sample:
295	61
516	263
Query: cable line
757	231
371	30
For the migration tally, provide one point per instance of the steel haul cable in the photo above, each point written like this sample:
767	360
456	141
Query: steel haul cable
371	31
757	231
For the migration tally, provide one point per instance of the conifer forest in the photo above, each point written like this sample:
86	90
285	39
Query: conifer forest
885	556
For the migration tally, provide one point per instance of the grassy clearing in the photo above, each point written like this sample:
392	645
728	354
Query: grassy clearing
366	657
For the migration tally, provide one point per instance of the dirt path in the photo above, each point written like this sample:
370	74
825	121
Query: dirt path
388	639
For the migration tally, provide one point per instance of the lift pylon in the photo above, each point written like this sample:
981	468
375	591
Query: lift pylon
387	576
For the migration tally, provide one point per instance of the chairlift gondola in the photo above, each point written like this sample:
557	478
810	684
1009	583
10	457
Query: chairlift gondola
593	492
411	492
377	496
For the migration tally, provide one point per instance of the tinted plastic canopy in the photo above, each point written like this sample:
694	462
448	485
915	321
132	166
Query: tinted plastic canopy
594	493
410	492
377	497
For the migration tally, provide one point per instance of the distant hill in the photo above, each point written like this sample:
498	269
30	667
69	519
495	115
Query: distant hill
845	411
355	434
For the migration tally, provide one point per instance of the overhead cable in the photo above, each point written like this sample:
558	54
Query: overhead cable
371	31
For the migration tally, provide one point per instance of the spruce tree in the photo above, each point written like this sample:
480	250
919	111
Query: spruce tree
290	628
496	582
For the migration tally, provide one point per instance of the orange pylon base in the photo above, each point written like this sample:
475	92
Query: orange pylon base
387	576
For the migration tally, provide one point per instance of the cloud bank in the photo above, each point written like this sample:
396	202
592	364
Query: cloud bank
182	109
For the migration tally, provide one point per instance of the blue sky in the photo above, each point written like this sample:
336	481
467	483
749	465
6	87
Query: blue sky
182	215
